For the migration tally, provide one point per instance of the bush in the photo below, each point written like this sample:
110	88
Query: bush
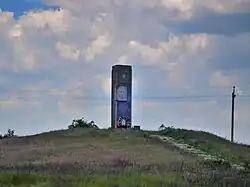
9	134
81	122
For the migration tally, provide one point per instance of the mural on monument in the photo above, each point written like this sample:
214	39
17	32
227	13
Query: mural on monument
122	122
124	113
122	93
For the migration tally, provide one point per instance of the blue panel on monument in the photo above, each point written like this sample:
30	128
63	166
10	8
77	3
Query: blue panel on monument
123	115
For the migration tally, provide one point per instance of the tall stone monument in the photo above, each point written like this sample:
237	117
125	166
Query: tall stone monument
121	96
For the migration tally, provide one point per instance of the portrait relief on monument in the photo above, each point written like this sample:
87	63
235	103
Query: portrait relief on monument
122	93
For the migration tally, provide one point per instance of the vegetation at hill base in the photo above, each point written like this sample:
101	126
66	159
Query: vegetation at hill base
128	176
86	156
128	179
232	152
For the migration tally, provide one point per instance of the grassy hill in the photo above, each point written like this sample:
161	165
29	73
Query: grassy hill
114	158
211	144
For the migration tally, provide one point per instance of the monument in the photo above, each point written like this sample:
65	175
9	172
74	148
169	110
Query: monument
121	96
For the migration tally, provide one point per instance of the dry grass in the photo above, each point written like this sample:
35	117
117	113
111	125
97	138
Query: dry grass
86	150
105	153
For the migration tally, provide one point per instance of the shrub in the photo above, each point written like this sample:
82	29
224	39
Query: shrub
81	122
9	134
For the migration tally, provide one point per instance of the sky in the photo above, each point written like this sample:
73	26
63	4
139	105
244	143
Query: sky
56	58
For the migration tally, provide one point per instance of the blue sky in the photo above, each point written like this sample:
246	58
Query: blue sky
55	63
19	7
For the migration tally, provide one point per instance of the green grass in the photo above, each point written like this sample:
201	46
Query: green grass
131	179
122	179
83	134
136	160
212	144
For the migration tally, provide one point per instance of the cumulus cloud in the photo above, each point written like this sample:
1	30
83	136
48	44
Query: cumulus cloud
97	47
170	54
182	9
67	51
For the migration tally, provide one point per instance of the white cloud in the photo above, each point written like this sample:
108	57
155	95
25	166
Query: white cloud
121	32
177	49
106	84
5	17
123	60
146	52
57	21
180	56
97	47
190	8
68	51
176	9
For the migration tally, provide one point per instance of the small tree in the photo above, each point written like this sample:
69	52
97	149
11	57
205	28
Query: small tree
92	125
82	123
162	127
10	133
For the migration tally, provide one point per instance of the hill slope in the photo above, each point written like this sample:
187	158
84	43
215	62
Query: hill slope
112	153
209	143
